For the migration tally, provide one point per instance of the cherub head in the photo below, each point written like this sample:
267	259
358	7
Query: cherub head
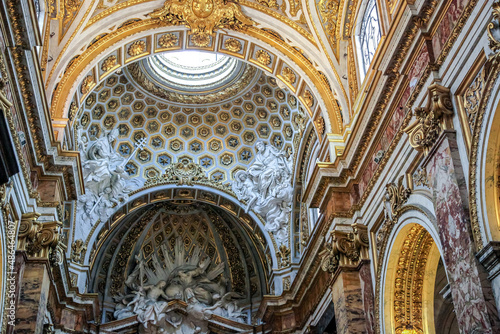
161	284
260	145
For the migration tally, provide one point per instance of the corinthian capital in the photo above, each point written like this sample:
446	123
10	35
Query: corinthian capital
347	247
431	120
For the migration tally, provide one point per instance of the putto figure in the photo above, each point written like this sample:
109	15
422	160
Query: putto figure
266	188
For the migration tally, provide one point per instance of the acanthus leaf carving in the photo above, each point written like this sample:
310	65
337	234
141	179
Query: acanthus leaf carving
348	246
494	28
431	120
397	195
36	238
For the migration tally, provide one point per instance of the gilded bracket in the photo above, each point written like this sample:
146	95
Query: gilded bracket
431	120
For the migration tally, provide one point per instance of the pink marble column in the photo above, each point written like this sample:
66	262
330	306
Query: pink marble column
352	296
471	293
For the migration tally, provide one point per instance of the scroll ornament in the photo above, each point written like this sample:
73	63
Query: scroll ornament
36	238
345	248
494	28
431	120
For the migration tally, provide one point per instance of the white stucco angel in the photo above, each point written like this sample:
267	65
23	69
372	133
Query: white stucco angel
266	188
106	182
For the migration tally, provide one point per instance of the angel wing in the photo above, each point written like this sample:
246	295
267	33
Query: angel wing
219	269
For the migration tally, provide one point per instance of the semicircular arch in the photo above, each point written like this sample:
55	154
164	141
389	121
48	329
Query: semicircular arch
258	47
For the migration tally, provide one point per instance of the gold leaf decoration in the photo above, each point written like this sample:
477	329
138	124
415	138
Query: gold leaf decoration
109	63
308	98
203	17
136	48
87	84
263	57
168	40
201	40
232	45
289	75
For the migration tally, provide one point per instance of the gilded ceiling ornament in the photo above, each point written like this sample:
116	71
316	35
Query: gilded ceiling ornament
320	125
329	13
203	17
109	63
201	40
168	40
289	75
87	84
136	48
308	98
232	45
263	57
431	120
269	3
73	108
184	173
494	28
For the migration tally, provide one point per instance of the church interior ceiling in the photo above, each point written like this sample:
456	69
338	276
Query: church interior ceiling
203	181
218	135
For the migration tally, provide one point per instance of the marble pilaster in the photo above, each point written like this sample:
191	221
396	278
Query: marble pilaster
33	287
353	301
471	291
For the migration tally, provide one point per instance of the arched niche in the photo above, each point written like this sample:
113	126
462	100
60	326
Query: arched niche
412	272
154	231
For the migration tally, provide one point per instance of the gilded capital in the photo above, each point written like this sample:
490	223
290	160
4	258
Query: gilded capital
28	229
36	238
431	120
347	247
